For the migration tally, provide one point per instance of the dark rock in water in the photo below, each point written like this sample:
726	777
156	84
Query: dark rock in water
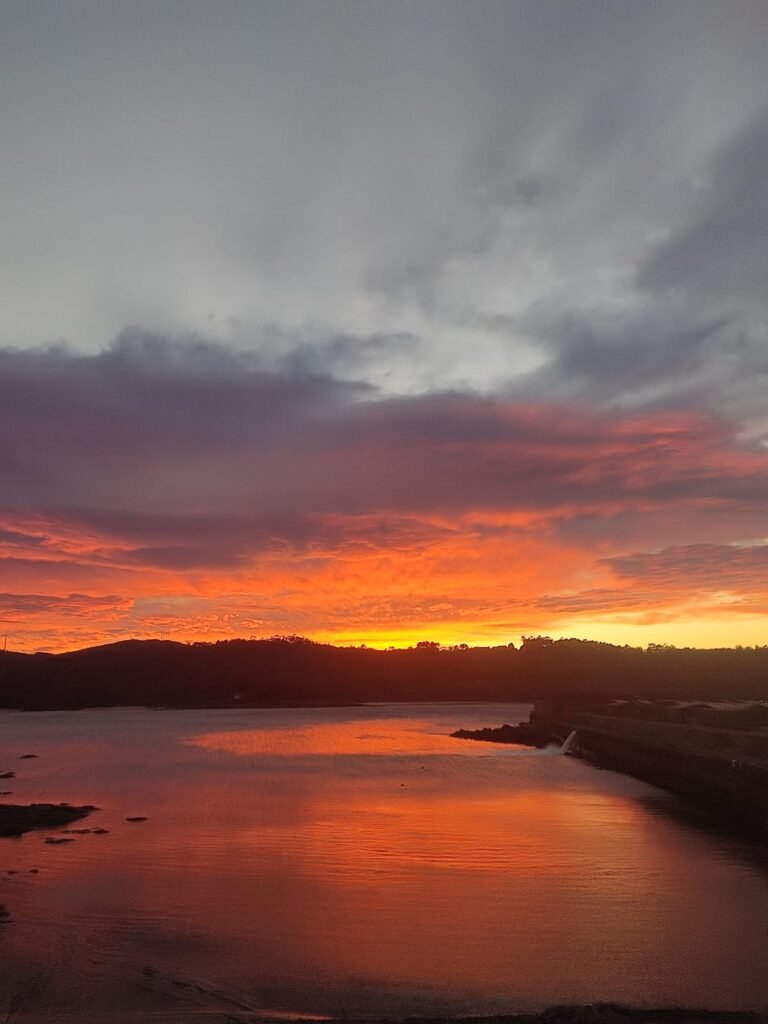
8	775
25	757
57	842
5	914
6	792
34	871
525	734
85	831
16	819
136	817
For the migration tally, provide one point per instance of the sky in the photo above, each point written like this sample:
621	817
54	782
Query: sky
383	322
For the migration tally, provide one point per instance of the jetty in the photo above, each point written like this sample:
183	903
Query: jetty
713	754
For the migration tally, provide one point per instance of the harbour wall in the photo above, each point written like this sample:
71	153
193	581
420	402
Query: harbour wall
724	771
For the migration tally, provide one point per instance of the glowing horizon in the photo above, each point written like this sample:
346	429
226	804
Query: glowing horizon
714	633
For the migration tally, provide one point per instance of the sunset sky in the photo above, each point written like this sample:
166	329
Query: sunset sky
382	322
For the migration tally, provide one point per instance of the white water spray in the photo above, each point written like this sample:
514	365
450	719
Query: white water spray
569	744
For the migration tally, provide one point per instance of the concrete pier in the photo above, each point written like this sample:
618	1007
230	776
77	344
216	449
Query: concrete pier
725	771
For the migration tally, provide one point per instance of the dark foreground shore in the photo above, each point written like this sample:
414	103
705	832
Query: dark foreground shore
599	1013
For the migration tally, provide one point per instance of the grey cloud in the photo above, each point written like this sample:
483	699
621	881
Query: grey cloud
58	571
151	383
720	245
697	567
181	558
16	538
682	572
346	356
179	541
640	360
509	185
687	325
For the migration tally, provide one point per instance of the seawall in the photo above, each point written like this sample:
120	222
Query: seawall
722	770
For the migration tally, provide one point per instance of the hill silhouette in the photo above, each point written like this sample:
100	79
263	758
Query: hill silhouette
296	671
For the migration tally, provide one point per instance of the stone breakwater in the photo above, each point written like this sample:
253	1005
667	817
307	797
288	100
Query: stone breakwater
722	770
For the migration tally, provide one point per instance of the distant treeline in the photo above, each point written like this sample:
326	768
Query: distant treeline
293	670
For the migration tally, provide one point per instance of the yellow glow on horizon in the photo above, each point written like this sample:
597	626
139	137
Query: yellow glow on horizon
726	630
711	630
706	632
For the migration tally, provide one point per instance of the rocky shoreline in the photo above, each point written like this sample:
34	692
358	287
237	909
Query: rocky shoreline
16	819
524	734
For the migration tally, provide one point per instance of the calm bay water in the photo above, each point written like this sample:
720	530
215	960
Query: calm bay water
355	862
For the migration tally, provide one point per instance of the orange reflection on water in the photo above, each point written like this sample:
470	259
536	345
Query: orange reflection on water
360	862
387	736
398	812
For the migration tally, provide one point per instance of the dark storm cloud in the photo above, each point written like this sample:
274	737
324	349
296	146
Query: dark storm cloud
183	454
152	385
68	419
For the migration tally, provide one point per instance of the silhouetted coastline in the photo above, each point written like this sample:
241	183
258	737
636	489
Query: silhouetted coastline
293	671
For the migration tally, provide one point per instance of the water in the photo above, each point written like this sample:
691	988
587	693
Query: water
355	862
